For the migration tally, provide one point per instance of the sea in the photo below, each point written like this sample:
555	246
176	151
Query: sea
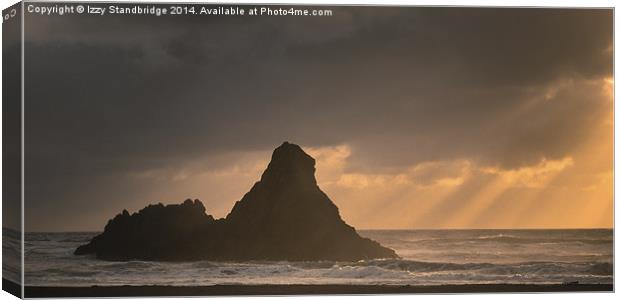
428	257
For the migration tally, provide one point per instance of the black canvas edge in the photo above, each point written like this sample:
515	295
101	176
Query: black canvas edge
12	138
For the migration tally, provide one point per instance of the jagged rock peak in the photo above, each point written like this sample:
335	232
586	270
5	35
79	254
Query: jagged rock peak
289	161
196	204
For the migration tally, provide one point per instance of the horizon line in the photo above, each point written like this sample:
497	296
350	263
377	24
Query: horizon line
388	229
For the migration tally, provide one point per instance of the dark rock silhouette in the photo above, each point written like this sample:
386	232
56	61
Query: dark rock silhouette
285	216
156	232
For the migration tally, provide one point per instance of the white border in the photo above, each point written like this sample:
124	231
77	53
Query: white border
501	3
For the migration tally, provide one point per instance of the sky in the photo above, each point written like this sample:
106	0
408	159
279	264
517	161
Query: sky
417	117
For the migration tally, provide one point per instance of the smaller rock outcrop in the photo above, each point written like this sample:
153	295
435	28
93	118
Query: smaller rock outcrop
156	232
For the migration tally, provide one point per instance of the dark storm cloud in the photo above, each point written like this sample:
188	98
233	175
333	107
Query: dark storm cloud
111	95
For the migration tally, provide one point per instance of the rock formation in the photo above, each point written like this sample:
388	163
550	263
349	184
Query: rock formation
156	232
285	216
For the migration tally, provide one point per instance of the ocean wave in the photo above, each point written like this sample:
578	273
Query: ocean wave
429	257
535	267
203	264
76	240
388	271
69	272
37	238
511	239
133	264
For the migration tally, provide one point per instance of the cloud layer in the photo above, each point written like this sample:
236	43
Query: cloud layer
419	111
